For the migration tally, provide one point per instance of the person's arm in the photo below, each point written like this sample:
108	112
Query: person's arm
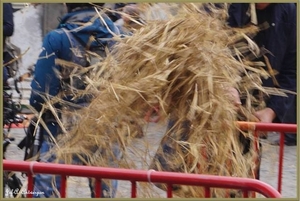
287	80
8	20
287	77
45	80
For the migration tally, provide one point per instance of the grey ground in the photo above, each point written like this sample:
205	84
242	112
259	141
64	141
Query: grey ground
78	188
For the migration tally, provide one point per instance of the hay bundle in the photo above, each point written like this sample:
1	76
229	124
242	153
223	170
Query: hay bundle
185	65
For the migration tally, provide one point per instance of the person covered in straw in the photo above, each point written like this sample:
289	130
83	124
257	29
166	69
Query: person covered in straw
280	40
82	28
202	136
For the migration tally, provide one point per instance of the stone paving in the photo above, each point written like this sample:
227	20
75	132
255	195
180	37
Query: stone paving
78	187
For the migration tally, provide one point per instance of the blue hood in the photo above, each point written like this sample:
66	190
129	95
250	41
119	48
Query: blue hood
83	24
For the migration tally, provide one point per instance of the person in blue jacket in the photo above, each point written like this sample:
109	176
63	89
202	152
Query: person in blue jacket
57	45
8	30
280	40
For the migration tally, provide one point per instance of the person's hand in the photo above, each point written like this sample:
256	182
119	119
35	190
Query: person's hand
235	96
266	115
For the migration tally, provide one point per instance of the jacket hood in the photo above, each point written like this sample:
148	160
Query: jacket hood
83	23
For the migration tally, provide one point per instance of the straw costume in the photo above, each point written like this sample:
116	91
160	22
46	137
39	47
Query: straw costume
184	63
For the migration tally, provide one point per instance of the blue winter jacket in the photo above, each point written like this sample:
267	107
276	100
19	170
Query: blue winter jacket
280	40
56	45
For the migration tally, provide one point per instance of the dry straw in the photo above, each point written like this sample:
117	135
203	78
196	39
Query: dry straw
184	63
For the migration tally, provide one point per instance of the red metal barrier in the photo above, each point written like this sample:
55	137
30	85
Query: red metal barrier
169	178
267	127
253	126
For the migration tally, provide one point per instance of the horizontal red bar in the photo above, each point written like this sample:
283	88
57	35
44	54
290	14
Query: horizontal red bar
259	126
143	176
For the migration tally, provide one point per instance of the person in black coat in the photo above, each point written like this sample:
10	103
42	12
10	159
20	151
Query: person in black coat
8	21
8	30
280	40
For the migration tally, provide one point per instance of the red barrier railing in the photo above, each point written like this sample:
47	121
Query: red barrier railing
268	127
168	178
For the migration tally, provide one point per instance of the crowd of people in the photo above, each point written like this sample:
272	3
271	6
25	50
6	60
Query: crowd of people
279	39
